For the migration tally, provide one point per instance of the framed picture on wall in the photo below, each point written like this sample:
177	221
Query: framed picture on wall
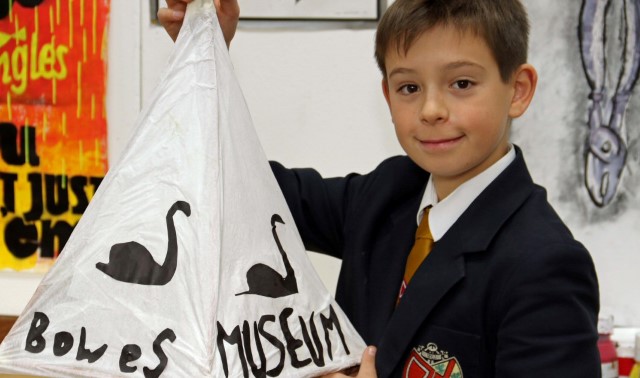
331	10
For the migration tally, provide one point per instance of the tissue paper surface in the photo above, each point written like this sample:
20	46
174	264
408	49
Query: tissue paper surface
187	262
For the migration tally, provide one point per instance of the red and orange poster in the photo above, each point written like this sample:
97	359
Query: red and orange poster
53	128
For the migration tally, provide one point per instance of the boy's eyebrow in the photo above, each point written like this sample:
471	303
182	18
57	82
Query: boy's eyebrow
400	70
449	67
462	63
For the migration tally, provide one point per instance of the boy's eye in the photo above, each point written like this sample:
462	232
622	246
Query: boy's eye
409	89
462	84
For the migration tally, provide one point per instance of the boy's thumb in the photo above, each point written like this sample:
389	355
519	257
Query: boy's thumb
368	365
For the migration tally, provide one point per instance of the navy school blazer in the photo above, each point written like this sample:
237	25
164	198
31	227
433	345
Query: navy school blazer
506	292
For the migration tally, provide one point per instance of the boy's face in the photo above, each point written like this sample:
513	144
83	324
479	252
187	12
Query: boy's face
450	108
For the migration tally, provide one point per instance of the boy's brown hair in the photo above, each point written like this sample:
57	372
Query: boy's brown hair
503	24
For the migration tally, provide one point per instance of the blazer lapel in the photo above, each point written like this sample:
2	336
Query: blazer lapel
444	266
442	270
387	265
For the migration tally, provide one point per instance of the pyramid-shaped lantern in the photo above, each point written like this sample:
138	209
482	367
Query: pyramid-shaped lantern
187	262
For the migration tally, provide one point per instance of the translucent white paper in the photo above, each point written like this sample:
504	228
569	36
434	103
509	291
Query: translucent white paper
187	262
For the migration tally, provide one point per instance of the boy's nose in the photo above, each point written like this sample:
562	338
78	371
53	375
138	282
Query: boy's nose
434	109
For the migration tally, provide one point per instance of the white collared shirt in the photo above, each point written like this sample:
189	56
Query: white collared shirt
445	213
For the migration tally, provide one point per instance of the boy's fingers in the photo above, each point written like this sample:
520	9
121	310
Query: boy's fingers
172	16
368	365
174	12
171	20
177	5
172	3
166	15
228	14
230	8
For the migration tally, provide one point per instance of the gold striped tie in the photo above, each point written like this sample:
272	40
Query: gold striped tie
419	252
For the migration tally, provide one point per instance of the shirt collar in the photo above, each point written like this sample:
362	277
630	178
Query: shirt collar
445	213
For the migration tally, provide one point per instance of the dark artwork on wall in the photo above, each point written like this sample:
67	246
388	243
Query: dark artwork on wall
606	144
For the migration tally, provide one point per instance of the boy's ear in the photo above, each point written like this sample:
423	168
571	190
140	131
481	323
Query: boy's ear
385	91
525	80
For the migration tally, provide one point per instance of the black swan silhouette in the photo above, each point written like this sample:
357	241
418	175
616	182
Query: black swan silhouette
131	262
265	281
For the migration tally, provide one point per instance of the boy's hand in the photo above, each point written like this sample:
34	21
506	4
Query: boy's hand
172	16
228	16
367	367
228	11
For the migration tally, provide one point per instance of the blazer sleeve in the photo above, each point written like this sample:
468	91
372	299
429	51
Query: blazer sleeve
318	206
326	210
548	324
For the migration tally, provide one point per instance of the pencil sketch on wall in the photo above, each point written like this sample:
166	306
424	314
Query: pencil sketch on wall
610	51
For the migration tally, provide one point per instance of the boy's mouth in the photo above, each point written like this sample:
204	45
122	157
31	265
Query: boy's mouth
440	144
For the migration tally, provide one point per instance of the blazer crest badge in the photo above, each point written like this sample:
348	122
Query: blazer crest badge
428	361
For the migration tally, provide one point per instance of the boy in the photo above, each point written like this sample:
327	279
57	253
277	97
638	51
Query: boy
505	291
